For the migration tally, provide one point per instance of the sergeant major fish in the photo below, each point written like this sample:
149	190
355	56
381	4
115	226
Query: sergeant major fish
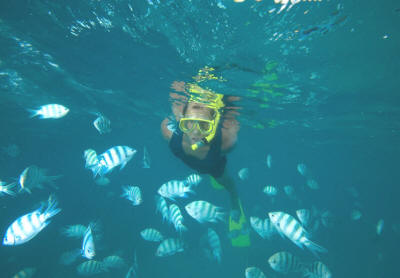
6	188
162	207
133	194
285	262
175	188
254	272
102	124
264	228
215	244
88	248
169	247
29	225
113	157
50	111
204	211
317	270
35	177
91	267
151	235
288	225
176	218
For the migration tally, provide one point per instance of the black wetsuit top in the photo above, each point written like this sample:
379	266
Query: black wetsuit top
214	163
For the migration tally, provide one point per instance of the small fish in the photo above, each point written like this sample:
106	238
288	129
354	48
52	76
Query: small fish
27	272
91	159
102	181
50	111
243	173
264	228
285	262
270	190
356	214
29	225
5	189
288	225
317	270
91	267
204	211
194	179
169	247
74	231
379	227
254	272
151	235
88	249
176	218
162	207
269	161
133	194
102	124
146	159
302	168
215	244
313	184
113	157
304	216
114	261
175	188
35	177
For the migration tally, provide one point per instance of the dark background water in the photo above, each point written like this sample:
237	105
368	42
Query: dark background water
343	124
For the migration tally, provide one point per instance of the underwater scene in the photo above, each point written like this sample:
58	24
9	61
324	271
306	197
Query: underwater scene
194	138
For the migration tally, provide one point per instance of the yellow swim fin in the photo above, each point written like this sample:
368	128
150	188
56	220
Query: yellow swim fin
215	184
238	231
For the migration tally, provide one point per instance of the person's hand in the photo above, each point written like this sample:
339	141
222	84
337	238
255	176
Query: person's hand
178	86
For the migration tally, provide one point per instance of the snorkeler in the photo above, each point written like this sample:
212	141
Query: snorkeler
203	138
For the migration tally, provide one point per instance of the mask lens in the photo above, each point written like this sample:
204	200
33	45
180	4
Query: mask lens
205	127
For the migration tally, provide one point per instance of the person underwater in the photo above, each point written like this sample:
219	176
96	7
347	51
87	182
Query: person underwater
206	133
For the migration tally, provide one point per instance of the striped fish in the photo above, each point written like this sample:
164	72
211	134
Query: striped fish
102	124
175	188
169	247
317	270
304	216
25	273
176	218
194	179
162	207
285	262
288	225
133	194
28	226
254	272
113	157
91	267
215	244
91	159
74	231
114	261
88	249
151	235
35	177
6	188
204	211
264	228
50	111
270	190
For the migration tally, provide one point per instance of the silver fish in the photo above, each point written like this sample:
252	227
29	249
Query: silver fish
269	161
151	235
264	228
91	159
114	261
35	177
243	173
304	216
88	249
50	111
215	244
288	225
91	267
285	262
102	124
113	157
194	179
133	194
176	218
28	226
317	270
204	211
175	188
169	247
6	188
146	158
254	272
162	207
270	190
74	231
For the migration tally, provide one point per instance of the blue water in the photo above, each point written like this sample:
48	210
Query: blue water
332	104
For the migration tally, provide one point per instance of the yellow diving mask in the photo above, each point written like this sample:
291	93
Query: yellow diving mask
205	127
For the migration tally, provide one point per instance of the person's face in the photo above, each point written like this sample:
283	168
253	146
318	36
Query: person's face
197	112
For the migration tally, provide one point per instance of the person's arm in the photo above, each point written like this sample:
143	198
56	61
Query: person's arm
167	134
